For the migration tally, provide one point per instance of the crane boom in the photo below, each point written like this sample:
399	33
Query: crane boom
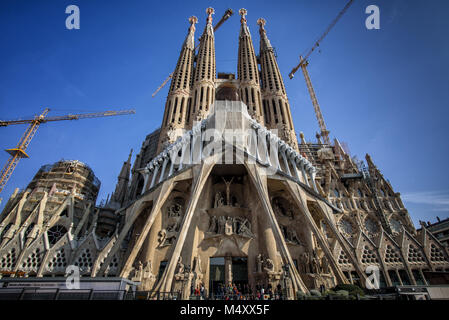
228	13
19	151
43	119
317	43
303	63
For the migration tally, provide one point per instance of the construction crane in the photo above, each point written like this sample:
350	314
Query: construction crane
225	17
303	63
19	151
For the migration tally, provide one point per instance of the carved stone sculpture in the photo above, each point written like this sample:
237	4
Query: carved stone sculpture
268	265
219	200
259	262
180	266
306	262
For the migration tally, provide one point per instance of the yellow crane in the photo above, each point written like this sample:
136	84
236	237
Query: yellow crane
19	151
225	17
303	63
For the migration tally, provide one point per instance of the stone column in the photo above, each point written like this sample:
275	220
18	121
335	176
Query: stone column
164	165
153	179
228	270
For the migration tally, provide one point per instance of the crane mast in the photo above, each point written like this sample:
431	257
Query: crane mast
18	152
324	132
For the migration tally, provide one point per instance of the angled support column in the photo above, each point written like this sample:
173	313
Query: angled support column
164	192
146	176
304	175
156	170
200	179
300	202
164	166
284	158
343	243
260	186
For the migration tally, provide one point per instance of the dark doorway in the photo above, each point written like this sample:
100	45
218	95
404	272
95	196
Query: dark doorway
240	274
217	276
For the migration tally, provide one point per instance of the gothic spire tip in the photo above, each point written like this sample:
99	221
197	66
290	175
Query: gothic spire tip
243	13
193	20
210	11
261	22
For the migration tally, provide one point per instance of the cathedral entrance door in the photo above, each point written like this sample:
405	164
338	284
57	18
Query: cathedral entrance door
217	276
240	274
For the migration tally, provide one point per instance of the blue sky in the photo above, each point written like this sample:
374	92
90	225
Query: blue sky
383	92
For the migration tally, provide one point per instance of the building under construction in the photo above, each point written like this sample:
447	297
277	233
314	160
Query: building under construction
304	216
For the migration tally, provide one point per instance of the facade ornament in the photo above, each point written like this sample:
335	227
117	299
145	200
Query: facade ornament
219	200
228	190
259	262
268	265
180	266
306	262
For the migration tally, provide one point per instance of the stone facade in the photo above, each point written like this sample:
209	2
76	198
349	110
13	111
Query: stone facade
265	210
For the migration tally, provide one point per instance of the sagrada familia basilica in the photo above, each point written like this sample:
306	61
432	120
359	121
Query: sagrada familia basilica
223	192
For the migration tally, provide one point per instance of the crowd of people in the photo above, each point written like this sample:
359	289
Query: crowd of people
234	291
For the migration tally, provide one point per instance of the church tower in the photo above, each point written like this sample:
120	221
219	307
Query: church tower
178	99
121	188
248	71
203	93
274	98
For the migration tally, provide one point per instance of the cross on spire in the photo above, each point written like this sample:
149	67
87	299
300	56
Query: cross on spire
210	11
261	22
193	20
243	13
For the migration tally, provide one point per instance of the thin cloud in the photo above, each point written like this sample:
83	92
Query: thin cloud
438	200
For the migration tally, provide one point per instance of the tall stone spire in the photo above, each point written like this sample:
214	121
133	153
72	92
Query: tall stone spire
274	98
248	71
178	99
122	184
203	92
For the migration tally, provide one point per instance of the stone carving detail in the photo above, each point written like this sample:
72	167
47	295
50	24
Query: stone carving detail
168	235
290	235
228	199
180	266
280	210
306	262
219	200
197	271
315	264
259	262
166	238
268	265
175	210
264	264
230	225
228	190
136	273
